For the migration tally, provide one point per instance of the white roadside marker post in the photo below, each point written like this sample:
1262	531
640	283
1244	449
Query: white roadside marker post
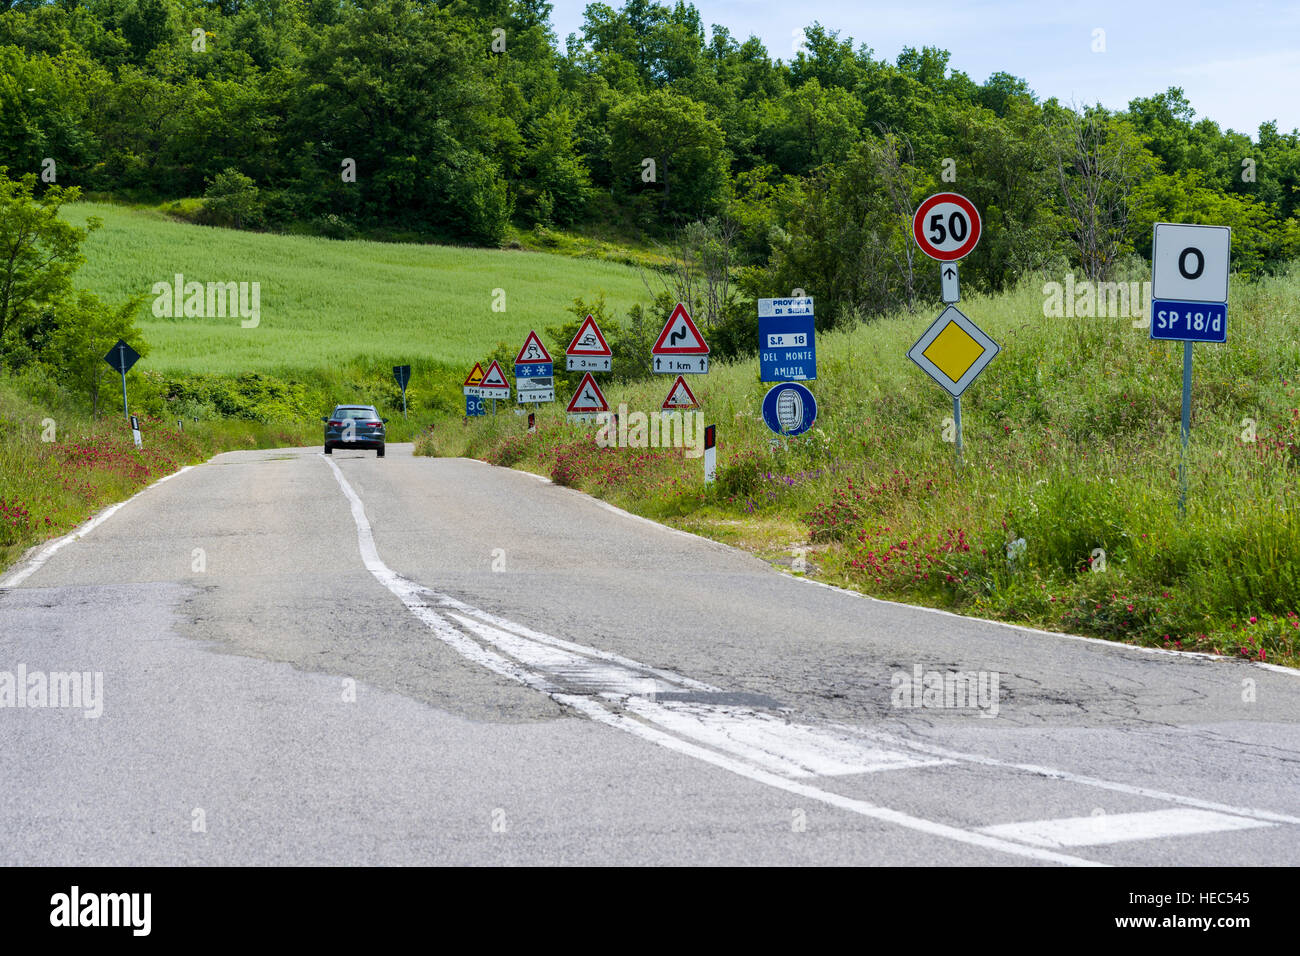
710	453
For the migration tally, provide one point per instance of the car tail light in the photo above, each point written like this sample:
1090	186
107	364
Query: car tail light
335	424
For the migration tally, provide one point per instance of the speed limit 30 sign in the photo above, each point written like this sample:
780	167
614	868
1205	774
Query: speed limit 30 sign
1189	282
946	227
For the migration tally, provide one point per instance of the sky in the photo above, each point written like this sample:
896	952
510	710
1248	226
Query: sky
1238	61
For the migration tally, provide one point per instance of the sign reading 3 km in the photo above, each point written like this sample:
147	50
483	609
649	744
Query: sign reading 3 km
946	227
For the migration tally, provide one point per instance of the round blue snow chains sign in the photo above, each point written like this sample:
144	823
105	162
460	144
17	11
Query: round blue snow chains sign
789	408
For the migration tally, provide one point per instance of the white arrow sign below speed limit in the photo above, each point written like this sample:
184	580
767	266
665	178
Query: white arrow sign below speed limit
946	227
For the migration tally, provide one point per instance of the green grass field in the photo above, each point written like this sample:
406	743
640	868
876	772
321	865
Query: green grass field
325	303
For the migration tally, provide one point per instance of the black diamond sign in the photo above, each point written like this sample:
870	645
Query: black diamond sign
121	356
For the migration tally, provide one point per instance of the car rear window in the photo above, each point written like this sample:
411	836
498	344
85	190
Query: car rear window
361	414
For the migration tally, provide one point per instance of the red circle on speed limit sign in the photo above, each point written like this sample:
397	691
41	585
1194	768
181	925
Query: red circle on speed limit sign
946	227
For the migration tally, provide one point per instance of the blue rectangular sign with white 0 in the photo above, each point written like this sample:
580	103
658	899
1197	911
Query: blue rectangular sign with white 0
787	349
475	405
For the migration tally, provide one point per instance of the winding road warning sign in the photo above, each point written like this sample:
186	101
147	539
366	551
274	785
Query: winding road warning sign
680	347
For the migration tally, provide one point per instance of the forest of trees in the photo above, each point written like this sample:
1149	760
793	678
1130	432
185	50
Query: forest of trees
450	120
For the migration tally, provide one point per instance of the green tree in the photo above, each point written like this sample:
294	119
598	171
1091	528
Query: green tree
87	329
39	251
232	199
684	144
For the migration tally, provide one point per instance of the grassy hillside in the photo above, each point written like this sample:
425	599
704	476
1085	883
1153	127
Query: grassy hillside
325	303
1071	444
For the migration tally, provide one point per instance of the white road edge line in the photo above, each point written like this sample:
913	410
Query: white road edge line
409	594
1277	668
26	568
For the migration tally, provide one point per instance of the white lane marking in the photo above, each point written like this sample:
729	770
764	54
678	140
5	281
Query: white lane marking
26	569
793	750
1082	780
630	725
1120	827
444	600
578	670
409	593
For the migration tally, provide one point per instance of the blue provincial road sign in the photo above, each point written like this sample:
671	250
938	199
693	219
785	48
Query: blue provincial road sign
1189	321
787	349
789	409
475	405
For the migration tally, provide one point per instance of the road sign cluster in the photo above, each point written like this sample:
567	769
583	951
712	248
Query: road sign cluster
1189	303
680	350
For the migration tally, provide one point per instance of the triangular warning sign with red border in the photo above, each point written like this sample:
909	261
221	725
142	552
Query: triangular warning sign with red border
588	341
588	397
475	376
680	336
533	351
680	396
495	378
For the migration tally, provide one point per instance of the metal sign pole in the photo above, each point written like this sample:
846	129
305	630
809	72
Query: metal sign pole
121	361
1186	430
956	420
403	401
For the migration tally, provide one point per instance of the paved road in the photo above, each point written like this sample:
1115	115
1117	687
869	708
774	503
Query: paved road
352	660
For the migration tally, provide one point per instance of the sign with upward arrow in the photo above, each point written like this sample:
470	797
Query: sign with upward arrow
949	284
680	348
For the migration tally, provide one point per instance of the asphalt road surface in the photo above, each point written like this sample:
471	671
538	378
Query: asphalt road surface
312	660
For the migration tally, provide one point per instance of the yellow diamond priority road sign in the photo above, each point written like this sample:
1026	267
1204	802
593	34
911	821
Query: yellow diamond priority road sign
953	351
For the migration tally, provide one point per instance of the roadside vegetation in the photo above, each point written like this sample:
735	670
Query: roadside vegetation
58	465
1071	446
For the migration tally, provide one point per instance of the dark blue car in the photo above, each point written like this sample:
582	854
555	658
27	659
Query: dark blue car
355	426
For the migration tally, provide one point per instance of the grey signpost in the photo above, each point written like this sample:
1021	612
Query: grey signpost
121	357
403	375
1189	303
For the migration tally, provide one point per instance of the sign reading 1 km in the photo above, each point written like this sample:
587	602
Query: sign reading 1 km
946	227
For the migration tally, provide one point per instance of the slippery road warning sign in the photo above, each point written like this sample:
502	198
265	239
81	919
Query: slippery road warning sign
680	348
589	352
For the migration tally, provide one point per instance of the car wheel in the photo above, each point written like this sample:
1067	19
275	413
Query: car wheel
379	452
329	450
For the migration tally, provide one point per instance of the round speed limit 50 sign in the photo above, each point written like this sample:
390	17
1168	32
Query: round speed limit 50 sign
946	227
